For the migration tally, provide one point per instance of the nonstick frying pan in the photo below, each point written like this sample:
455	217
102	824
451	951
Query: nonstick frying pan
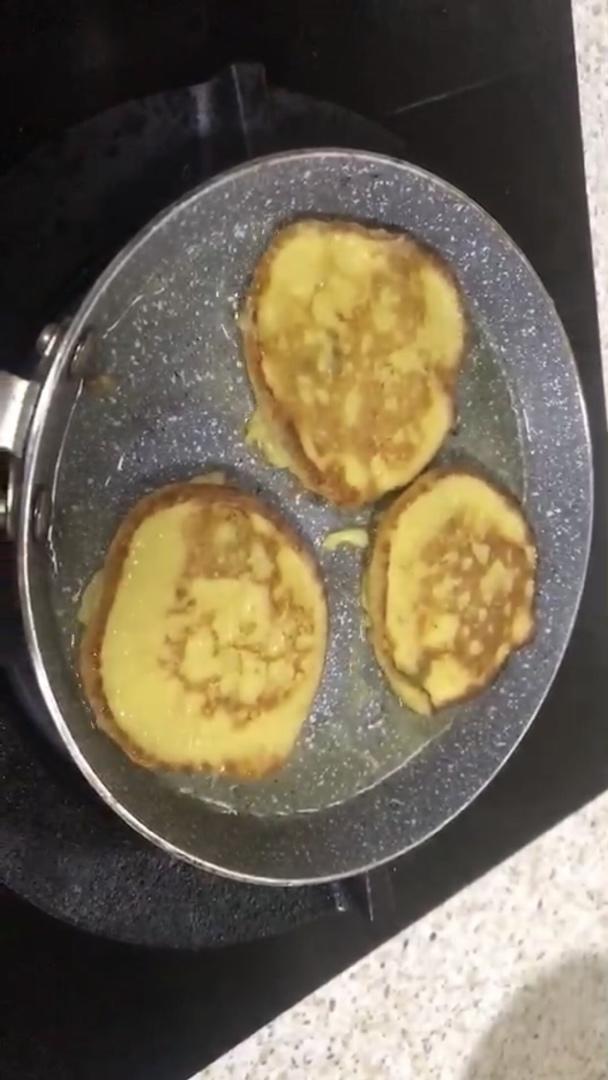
146	385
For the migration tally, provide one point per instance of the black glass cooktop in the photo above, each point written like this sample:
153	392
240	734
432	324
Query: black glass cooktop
99	133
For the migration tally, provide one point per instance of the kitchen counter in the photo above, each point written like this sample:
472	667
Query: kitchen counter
591	36
508	979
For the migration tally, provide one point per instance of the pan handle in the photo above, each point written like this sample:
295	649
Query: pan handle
18	398
17	401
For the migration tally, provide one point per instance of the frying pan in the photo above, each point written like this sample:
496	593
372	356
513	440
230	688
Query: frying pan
146	385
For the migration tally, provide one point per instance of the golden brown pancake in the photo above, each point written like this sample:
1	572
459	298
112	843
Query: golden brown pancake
449	588
208	637
353	340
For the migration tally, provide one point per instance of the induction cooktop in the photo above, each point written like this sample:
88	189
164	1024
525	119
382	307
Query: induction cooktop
133	965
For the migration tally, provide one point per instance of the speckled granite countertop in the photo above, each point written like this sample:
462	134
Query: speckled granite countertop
509	979
591	33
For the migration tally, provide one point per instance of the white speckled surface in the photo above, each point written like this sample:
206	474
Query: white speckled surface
506	981
591	31
509	979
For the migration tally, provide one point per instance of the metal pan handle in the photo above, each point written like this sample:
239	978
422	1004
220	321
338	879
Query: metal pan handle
18	398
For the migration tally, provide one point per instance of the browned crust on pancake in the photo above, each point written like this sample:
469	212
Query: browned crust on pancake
380	550
92	638
273	411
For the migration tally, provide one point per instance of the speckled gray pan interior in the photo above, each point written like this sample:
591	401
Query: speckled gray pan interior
368	779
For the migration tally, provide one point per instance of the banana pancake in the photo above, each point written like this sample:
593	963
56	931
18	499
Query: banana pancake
208	637
353	340
449	588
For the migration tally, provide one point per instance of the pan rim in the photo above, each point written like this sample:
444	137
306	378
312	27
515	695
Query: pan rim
78	324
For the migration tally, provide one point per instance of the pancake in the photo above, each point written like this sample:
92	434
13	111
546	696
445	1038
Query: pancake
449	588
353	340
207	642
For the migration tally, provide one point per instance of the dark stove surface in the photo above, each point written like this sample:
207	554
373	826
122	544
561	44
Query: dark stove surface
485	95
